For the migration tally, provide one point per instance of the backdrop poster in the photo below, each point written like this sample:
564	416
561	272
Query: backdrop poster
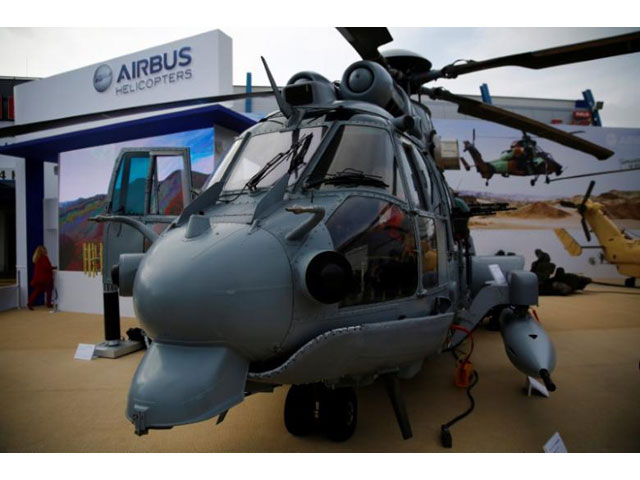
537	208
84	181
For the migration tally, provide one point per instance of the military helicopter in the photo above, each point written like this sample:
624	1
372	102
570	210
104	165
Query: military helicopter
618	248
327	250
523	159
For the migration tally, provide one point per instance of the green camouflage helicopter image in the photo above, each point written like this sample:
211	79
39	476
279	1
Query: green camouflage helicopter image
523	159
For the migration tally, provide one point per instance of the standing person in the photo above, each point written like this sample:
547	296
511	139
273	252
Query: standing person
42	281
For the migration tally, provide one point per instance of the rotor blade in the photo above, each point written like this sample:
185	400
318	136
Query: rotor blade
593	174
494	114
583	222
552	57
120	112
587	195
366	40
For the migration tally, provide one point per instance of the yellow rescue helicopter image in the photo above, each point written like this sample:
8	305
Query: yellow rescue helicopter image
618	248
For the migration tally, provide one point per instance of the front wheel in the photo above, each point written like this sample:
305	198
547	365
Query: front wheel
338	413
299	410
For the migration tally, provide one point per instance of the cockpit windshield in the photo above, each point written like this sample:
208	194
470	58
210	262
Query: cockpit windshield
358	155
262	149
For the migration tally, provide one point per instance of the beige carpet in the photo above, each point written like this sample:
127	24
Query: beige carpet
50	402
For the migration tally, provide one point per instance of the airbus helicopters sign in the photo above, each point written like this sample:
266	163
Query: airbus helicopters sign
146	73
193	67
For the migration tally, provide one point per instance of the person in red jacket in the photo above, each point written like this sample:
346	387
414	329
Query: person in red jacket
42	281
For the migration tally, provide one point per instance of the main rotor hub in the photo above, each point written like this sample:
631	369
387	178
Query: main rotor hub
406	61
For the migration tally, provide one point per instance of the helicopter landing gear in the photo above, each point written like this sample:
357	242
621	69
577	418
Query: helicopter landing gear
547	180
309	408
338	413
300	410
533	181
393	390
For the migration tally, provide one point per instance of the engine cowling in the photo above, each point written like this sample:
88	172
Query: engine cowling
368	81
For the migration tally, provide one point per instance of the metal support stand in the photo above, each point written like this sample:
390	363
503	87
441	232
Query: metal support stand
114	346
393	390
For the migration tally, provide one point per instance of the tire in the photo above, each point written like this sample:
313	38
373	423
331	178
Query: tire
299	410
338	413
630	282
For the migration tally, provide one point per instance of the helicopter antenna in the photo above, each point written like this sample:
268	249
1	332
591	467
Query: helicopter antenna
284	107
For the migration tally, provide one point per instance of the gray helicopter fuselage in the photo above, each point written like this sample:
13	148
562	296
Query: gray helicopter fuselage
244	275
335	263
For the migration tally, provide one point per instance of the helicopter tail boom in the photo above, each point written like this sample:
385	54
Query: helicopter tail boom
486	170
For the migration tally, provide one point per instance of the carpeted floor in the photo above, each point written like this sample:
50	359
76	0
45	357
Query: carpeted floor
50	402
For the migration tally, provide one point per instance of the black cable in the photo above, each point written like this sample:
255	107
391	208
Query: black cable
445	434
610	285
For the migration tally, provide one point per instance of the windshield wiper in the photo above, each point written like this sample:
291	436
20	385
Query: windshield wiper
296	152
348	176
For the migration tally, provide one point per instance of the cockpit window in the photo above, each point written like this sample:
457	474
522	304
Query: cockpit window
224	164
359	155
260	149
377	239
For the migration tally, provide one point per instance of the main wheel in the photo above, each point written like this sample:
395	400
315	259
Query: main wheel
299	410
338	413
630	282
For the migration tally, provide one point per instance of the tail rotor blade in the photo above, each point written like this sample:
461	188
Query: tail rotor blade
583	222
588	194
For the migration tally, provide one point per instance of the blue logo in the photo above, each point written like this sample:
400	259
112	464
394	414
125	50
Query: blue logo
102	78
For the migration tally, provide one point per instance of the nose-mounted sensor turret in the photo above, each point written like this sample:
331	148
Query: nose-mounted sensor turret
326	276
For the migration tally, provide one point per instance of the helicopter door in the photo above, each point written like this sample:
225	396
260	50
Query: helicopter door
152	185
420	189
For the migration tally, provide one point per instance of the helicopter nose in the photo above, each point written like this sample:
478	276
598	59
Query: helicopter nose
229	285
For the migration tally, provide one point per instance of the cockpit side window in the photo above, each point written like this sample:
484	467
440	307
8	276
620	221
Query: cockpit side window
224	163
423	174
377	238
409	162
359	150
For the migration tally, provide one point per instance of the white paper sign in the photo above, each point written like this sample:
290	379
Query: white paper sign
84	351
533	384
555	445
497	274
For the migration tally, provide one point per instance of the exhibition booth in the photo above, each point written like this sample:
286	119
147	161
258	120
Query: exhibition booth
62	175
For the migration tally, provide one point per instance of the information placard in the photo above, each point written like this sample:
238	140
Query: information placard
84	351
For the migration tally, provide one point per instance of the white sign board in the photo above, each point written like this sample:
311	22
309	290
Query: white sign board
84	351
497	274
194	67
555	445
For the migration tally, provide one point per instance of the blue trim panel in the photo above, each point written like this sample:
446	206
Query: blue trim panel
34	179
173	122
